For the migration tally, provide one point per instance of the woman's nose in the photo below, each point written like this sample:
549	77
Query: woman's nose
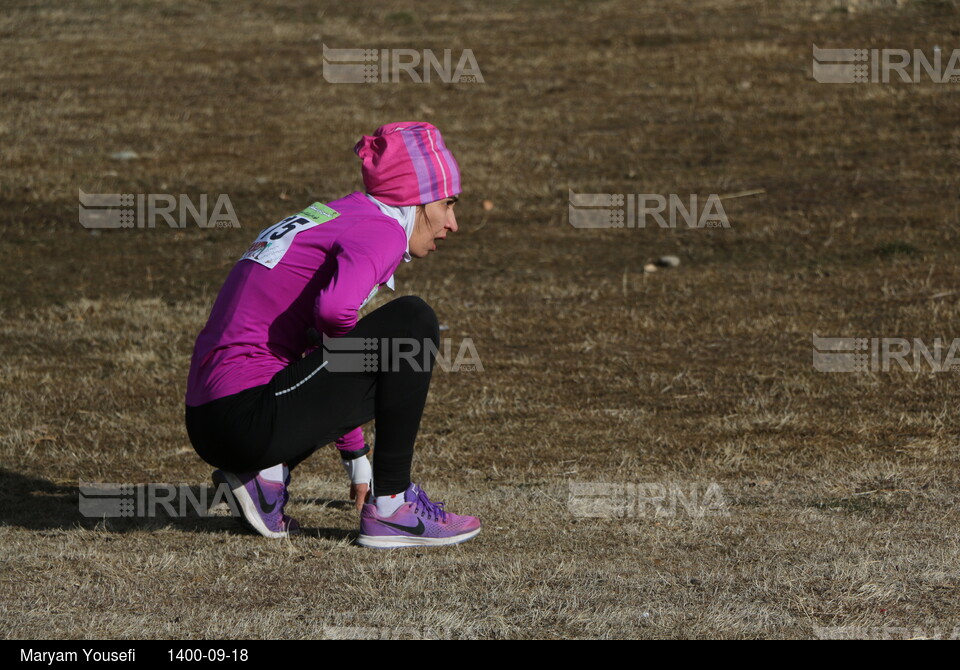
453	223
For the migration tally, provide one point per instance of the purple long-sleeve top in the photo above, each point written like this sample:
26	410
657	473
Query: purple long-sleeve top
313	270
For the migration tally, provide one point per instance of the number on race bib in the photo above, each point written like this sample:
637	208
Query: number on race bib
273	242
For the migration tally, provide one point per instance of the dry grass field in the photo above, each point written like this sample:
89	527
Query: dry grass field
840	514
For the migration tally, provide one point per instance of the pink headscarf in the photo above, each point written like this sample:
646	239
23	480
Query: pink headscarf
408	164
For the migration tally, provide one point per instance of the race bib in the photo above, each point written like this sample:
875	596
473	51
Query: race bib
272	243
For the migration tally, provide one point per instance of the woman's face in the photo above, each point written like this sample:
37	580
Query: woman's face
431	224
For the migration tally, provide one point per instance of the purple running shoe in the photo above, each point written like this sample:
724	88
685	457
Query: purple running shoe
261	502
418	522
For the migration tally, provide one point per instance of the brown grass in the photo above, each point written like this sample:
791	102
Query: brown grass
841	488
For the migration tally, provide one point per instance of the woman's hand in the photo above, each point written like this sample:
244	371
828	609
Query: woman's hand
360	473
359	493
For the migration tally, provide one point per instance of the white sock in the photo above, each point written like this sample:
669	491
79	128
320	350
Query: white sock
278	473
388	505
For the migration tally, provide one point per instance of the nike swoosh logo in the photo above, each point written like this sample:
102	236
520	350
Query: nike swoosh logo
264	505
415	530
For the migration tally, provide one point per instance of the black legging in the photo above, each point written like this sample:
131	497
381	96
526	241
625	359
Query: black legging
306	406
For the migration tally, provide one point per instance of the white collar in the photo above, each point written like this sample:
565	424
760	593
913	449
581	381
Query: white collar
404	215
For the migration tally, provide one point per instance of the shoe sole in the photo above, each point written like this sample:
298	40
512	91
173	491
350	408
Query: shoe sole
391	541
251	518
